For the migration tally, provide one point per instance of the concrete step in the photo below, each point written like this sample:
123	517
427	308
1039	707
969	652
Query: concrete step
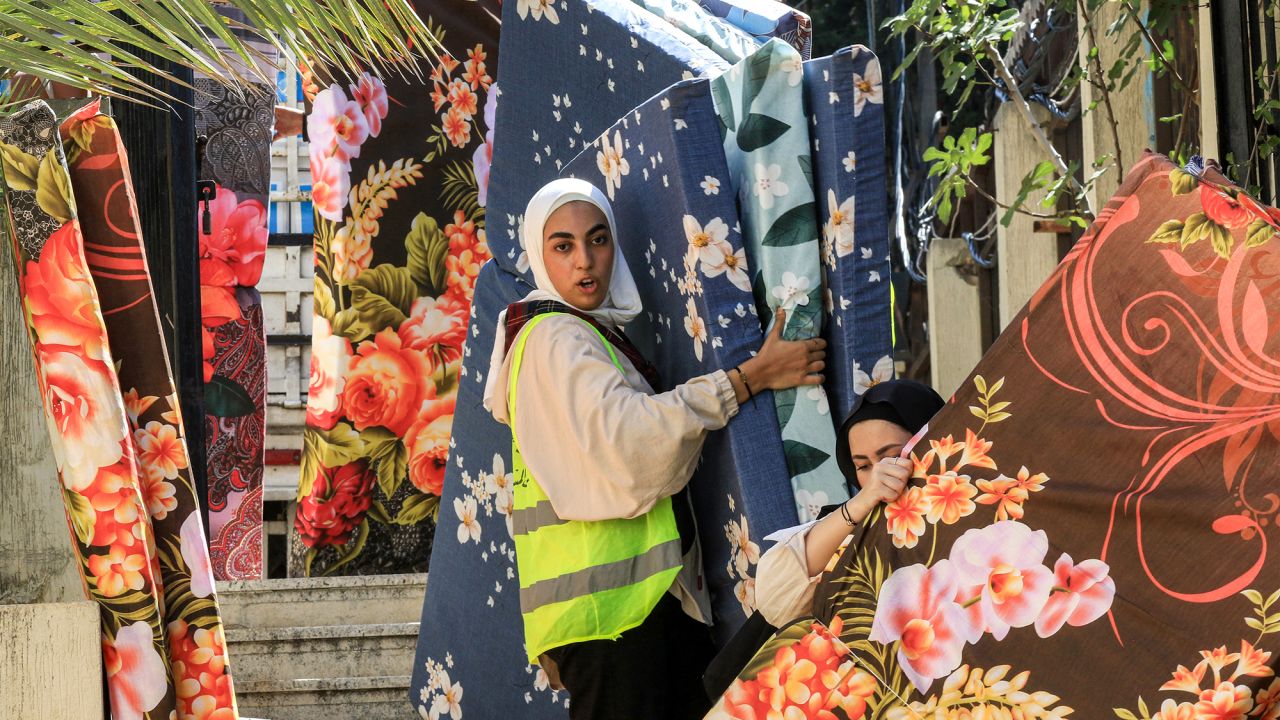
339	651
362	698
297	602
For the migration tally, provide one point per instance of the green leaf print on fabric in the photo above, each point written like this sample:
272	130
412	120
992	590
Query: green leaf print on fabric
771	171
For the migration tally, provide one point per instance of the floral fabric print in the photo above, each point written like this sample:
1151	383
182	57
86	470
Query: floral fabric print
765	19
233	246
692	271
760	105
610	56
721	38
847	131
121	460
598	49
1145	509
400	238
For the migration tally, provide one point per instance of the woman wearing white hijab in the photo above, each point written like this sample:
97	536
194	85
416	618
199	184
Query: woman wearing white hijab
610	572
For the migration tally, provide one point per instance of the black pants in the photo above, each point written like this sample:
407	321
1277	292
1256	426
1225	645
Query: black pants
653	672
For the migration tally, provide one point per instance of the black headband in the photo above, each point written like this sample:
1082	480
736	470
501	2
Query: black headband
905	403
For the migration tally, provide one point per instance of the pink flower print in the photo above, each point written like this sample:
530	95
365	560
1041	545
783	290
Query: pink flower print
1253	662
336	125
904	517
1006	558
1186	680
1224	702
1081	594
371	95
136	675
916	607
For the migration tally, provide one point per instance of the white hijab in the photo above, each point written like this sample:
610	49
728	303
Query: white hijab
620	306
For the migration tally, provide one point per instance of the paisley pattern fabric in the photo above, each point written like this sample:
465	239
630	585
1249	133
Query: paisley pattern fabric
236	159
235	437
1100	489
122	461
400	180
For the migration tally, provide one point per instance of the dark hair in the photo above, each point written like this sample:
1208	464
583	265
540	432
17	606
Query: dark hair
905	403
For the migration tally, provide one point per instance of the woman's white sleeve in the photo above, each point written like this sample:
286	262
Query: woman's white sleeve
784	588
600	448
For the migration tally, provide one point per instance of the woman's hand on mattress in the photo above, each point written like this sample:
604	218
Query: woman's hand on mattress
887	482
783	364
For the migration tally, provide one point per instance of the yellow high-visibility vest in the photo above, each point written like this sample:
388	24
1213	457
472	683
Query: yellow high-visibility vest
584	580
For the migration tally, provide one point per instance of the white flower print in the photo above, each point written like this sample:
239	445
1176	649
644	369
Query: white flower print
541	681
611	163
882	372
468	525
745	552
811	503
768	185
501	486
538	9
793	291
702	240
710	185
449	701
826	247
794	69
732	264
745	591
696	328
873	276
841	223
867	253
867	88
819	396
850	162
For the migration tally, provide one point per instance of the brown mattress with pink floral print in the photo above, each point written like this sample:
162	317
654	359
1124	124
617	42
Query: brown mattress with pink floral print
1088	529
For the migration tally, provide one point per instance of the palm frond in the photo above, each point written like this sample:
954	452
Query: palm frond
93	44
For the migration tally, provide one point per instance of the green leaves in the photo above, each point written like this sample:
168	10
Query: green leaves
1264	621
427	248
417	508
390	459
1169	231
794	227
785	403
21	170
802	458
1198	227
326	448
90	44
723	102
953	162
381	297
81	513
991	411
225	398
755	70
322	300
1182	182
1040	177
759	130
1260	233
53	189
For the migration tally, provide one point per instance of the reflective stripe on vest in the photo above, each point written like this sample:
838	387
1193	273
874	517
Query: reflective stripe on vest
583	580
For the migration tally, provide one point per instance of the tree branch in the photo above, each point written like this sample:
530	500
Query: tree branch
1101	82
1020	102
